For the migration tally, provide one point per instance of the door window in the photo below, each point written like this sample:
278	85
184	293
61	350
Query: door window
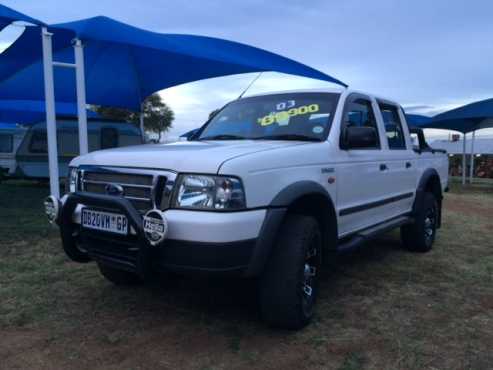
6	143
393	126
359	113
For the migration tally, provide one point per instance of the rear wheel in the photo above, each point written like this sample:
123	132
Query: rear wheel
119	277
289	285
420	235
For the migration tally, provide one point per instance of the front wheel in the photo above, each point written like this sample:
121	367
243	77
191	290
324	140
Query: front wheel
289	284
420	235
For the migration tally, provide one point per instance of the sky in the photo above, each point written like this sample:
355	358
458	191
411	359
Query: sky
430	56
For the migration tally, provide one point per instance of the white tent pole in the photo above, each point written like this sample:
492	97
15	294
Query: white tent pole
81	96
50	112
464	159
141	118
471	168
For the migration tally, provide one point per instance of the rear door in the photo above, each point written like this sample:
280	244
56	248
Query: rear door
360	175
400	160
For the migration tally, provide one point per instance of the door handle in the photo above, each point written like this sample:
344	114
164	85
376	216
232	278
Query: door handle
408	164
383	167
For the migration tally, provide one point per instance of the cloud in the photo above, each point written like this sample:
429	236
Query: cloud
433	54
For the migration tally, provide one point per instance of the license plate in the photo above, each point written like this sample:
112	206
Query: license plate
104	221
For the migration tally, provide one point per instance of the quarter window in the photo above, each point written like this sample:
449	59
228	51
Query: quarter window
6	143
393	126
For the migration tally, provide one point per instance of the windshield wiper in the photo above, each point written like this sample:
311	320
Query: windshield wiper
223	137
295	137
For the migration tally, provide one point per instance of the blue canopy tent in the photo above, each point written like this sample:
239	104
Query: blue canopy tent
417	120
27	112
465	119
123	65
9	15
7	125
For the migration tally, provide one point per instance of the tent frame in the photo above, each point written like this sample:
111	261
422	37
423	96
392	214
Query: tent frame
48	66
471	168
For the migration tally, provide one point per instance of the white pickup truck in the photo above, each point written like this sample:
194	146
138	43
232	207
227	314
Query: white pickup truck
271	187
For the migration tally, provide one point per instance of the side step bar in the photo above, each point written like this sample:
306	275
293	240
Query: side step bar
364	235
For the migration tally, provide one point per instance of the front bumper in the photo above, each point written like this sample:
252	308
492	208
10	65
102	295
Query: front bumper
197	241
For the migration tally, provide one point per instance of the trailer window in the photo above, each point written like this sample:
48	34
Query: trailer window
39	142
6	143
68	143
109	137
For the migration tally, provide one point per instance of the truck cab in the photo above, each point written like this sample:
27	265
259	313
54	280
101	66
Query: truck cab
272	187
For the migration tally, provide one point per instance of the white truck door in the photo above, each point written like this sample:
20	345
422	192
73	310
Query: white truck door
361	183
401	173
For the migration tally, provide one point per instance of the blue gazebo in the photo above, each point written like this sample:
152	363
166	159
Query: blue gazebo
465	119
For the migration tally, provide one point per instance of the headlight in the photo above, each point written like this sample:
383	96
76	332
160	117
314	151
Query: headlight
72	179
209	192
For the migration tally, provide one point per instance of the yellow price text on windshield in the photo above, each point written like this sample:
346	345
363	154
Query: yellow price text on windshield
286	114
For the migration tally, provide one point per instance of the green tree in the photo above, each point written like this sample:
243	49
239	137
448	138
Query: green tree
158	117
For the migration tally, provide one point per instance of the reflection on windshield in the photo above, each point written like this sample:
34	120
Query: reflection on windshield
300	116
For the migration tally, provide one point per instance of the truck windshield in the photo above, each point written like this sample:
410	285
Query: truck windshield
297	116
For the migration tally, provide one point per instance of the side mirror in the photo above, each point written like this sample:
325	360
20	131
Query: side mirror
359	137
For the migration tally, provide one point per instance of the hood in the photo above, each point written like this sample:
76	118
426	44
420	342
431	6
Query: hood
189	156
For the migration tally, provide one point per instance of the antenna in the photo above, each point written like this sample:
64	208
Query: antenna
250	85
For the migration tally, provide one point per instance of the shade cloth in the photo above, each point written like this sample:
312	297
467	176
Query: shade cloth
28	112
8	15
125	64
417	120
467	118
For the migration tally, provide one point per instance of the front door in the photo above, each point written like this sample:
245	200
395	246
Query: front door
361	172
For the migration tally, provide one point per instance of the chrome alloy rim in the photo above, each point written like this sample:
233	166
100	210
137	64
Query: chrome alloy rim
309	278
430	225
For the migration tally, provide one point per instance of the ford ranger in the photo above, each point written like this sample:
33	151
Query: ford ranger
272	187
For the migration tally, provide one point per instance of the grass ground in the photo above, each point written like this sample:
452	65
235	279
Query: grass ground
382	308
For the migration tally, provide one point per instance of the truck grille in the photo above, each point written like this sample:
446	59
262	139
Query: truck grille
144	190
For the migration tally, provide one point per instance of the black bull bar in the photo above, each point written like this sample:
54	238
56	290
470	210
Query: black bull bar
117	203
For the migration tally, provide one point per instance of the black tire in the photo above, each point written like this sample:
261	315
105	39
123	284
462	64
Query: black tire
71	249
119	277
420	235
283	290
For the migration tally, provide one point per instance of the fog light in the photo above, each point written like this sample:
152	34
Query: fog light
52	207
155	226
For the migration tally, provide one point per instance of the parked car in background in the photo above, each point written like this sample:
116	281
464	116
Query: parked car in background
32	157
271	188
187	135
11	136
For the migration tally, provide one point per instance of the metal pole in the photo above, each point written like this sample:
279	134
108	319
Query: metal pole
50	112
81	96
471	168
464	159
141	118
